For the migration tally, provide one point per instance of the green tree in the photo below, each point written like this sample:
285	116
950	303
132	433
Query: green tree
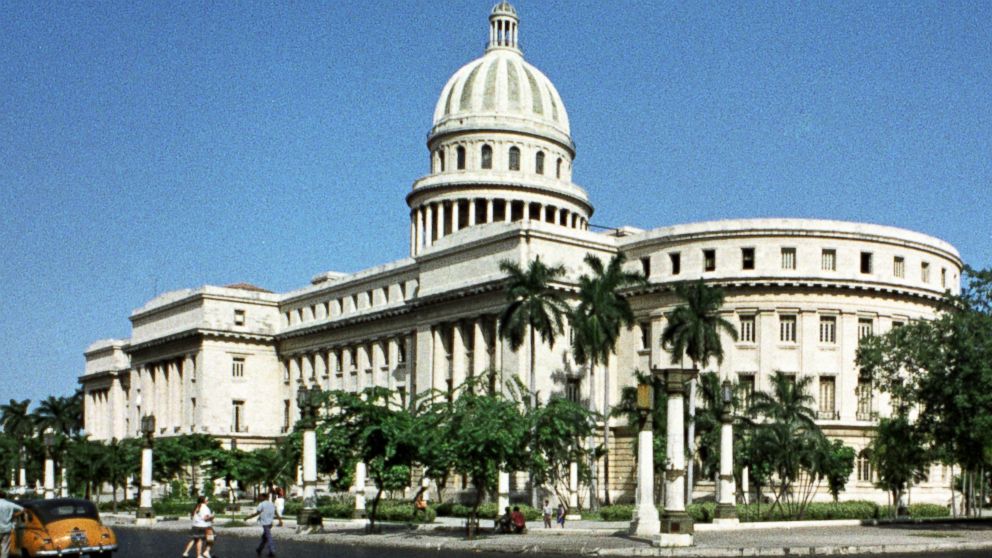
435	439
597	320
942	369
121	460
559	429
533	307
19	424
693	330
899	458
789	442
839	466
60	414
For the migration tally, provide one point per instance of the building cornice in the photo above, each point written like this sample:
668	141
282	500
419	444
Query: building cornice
198	333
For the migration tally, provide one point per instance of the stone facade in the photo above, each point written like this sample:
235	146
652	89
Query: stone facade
227	361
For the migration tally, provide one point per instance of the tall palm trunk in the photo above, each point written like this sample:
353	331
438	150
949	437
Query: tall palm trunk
533	406
606	432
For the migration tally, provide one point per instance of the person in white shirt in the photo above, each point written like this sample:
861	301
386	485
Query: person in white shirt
203	520
8	513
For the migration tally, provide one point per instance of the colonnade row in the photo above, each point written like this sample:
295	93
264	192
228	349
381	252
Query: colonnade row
164	391
432	221
461	350
102	405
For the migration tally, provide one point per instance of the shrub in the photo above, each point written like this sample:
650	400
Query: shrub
928	510
617	512
486	510
855	509
702	512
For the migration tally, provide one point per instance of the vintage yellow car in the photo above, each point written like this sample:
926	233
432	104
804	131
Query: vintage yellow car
61	527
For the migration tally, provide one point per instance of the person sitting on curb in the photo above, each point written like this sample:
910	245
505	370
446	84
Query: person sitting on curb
519	521
504	523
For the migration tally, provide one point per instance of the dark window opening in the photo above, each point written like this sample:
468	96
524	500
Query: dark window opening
865	262
747	258
460	155
514	158
487	157
709	260
676	262
539	162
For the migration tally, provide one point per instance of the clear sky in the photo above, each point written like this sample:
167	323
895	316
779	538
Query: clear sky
147	147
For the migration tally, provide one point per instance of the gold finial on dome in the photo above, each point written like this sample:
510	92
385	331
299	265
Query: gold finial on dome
503	23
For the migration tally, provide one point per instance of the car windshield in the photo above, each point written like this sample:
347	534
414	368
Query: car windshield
63	508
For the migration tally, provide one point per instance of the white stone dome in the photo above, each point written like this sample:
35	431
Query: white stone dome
501	90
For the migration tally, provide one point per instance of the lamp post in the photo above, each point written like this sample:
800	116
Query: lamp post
307	399
49	439
146	514
676	524
726	511
645	523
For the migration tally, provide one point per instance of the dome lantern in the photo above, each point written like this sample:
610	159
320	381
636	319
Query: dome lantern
503	25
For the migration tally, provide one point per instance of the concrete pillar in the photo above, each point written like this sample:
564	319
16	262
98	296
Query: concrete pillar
503	492
146	515
49	477
455	210
438	363
726	510
480	355
457	356
645	523
526	218
573	492
471	211
359	491
676	525
309	468
507	211
489	210
440	220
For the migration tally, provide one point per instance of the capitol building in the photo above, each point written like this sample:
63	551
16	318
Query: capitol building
228	360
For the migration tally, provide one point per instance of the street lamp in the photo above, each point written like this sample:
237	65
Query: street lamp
308	399
49	439
146	514
726	510
645	522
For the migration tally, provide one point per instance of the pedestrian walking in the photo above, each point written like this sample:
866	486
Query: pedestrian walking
546	512
203	521
266	513
8	513
561	515
280	500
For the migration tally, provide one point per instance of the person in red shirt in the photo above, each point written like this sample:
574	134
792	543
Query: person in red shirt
518	519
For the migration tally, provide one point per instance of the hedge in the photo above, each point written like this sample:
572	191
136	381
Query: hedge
389	510
183	508
855	509
486	510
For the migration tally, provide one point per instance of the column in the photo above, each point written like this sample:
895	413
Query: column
726	510
481	357
573	492
526	212
359	489
455	210
440	220
146	515
457	356
309	517
503	492
507	211
333	360
471	211
429	226
49	475
438	362
646	522
392	359
489	210
413	232
420	229
676	529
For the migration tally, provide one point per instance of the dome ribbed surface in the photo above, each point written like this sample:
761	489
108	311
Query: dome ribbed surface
502	83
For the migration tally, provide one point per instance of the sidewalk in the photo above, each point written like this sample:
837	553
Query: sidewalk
610	539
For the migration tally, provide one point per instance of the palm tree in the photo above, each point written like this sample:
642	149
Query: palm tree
533	308
18	423
56	413
693	331
597	321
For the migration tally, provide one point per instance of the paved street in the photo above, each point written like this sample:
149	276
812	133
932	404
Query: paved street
167	539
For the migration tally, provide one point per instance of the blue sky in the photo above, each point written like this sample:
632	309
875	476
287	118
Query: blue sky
147	147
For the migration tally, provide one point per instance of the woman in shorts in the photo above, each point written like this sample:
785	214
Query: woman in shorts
202	524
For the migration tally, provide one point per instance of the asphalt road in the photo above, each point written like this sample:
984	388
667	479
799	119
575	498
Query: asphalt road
143	543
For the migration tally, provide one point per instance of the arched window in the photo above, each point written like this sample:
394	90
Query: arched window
865	472
514	158
539	162
558	169
487	157
461	157
440	160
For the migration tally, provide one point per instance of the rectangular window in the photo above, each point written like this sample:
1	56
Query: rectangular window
645	335
899	266
676	259
709	260
828	329
238	367
401	351
943	278
746	333
285	416
745	388
788	258
865	262
238	417
239	317
747	258
787	329
572	389
828	259
864	328
925	272
646	267
828	392
863	393
897	324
